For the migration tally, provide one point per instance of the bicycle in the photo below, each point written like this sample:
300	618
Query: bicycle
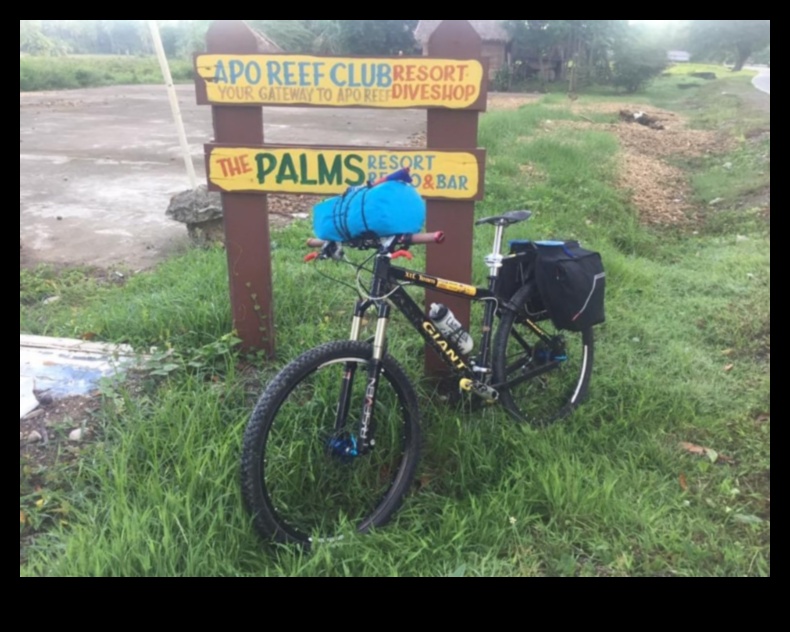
333	443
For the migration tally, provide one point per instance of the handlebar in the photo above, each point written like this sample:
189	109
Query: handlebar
418	238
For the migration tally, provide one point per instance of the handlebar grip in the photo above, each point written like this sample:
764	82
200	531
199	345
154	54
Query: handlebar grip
428	238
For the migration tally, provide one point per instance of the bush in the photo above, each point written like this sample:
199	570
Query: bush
87	71
636	64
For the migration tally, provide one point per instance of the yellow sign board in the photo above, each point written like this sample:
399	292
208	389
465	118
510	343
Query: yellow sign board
436	174
399	82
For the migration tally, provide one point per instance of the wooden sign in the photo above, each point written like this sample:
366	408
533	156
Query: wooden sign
237	76
399	82
455	175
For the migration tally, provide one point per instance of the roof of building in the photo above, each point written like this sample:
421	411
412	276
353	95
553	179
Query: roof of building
489	30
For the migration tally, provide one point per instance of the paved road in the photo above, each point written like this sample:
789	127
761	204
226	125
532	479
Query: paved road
97	167
763	80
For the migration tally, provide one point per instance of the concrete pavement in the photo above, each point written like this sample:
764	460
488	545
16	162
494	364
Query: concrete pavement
763	80
97	167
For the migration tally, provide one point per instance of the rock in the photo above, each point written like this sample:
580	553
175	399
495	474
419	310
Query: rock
207	233
727	165
44	397
715	201
50	299
195	206
77	434
201	211
34	436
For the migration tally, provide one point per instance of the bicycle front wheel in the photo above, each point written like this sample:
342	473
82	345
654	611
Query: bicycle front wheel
303	477
542	377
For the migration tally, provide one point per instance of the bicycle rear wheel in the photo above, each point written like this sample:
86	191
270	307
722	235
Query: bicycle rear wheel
301	479
544	378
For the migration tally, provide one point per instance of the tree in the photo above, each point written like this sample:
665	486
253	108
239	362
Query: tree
725	40
534	43
129	37
171	37
377	37
762	56
549	47
353	37
32	40
636	62
302	36
191	37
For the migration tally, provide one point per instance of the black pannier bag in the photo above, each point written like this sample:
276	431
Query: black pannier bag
518	269
572	283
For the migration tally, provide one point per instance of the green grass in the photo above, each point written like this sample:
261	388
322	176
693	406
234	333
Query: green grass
608	492
737	182
88	71
720	71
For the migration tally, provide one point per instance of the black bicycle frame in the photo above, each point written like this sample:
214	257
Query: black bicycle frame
387	280
387	289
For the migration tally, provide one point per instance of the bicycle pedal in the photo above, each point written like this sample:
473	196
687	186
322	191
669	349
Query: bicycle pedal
483	391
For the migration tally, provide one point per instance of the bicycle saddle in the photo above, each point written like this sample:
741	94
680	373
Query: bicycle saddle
513	217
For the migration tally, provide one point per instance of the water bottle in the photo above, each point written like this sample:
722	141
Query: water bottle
449	327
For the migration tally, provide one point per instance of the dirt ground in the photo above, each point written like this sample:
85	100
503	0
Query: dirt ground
659	189
48	445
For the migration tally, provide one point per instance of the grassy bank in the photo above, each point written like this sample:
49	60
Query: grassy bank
684	357
89	71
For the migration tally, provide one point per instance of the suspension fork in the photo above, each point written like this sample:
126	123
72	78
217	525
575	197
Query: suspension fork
344	401
367	422
366	426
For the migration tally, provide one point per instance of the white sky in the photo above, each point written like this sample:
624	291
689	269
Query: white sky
654	22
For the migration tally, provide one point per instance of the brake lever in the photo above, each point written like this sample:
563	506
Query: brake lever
330	250
402	253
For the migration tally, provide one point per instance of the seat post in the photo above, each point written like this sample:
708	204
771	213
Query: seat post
494	260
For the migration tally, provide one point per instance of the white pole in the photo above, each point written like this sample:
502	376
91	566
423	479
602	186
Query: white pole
171	93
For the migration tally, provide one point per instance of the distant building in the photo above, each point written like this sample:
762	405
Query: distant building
496	40
678	56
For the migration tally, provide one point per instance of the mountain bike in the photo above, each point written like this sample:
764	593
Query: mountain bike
333	442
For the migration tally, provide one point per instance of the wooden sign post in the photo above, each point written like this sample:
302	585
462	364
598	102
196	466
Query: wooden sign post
454	39
245	215
236	79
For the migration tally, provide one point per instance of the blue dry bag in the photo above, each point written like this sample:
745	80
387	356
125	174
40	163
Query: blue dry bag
389	206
